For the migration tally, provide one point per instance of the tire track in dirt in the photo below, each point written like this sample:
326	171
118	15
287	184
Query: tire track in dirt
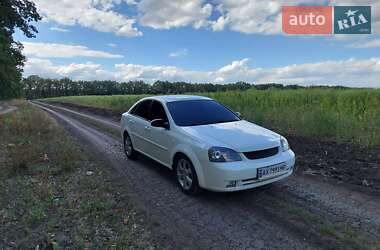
5	108
249	219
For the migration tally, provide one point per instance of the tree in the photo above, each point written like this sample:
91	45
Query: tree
14	14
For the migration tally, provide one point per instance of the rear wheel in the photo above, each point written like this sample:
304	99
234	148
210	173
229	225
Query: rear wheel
186	176
128	147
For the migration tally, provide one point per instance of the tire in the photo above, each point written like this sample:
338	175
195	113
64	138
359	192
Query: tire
186	176
128	147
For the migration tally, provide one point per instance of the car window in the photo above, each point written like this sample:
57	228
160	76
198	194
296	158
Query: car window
200	112
157	111
142	109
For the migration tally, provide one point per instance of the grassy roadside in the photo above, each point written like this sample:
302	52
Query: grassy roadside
53	195
341	234
336	115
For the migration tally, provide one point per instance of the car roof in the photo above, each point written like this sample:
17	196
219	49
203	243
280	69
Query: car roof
174	98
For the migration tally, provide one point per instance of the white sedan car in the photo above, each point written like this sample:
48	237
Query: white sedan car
205	143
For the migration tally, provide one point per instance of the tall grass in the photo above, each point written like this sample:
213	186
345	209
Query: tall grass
351	115
118	103
339	115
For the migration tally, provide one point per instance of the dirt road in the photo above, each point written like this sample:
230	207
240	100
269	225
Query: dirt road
297	213
5	108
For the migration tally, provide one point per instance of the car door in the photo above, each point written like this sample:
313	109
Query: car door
161	140
140	125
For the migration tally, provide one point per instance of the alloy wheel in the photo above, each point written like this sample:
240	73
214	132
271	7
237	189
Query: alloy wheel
184	174
128	146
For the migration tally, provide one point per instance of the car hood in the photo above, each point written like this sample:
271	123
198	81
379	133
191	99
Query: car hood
242	136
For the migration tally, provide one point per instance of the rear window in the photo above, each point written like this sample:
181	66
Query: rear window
142	109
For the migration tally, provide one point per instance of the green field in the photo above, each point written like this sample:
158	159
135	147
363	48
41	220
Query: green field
343	115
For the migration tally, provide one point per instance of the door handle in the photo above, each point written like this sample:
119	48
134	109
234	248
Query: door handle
147	127
131	121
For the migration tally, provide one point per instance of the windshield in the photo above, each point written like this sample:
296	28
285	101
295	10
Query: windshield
200	112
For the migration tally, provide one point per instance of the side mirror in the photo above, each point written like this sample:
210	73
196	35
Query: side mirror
159	123
239	115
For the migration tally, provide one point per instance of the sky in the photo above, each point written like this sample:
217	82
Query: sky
218	41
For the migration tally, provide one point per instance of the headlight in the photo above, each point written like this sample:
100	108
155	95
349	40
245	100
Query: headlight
220	154
284	144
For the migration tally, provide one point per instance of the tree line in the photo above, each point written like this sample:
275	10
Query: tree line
37	87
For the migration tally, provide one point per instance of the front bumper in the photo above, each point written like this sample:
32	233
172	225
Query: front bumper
241	175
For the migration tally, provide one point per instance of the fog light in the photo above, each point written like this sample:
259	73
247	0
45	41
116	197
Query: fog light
231	184
289	167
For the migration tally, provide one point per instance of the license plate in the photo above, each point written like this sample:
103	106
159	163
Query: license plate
271	171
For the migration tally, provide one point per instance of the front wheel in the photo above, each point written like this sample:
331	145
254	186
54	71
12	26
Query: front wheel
186	176
128	147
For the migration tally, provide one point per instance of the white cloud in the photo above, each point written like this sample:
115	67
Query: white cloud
179	53
366	44
41	67
150	73
166	14
111	45
83	71
250	16
246	16
49	50
234	66
264	16
94	14
232	71
349	37
59	29
351	72
131	2
80	71
219	24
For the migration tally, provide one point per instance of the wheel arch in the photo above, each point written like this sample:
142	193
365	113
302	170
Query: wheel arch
196	164
125	132
177	155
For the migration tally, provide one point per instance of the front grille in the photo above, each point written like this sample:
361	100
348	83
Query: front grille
254	155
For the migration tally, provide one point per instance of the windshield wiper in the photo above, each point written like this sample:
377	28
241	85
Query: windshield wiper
210	122
223	121
196	124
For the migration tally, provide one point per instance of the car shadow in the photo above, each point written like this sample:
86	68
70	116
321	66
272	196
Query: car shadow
167	175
